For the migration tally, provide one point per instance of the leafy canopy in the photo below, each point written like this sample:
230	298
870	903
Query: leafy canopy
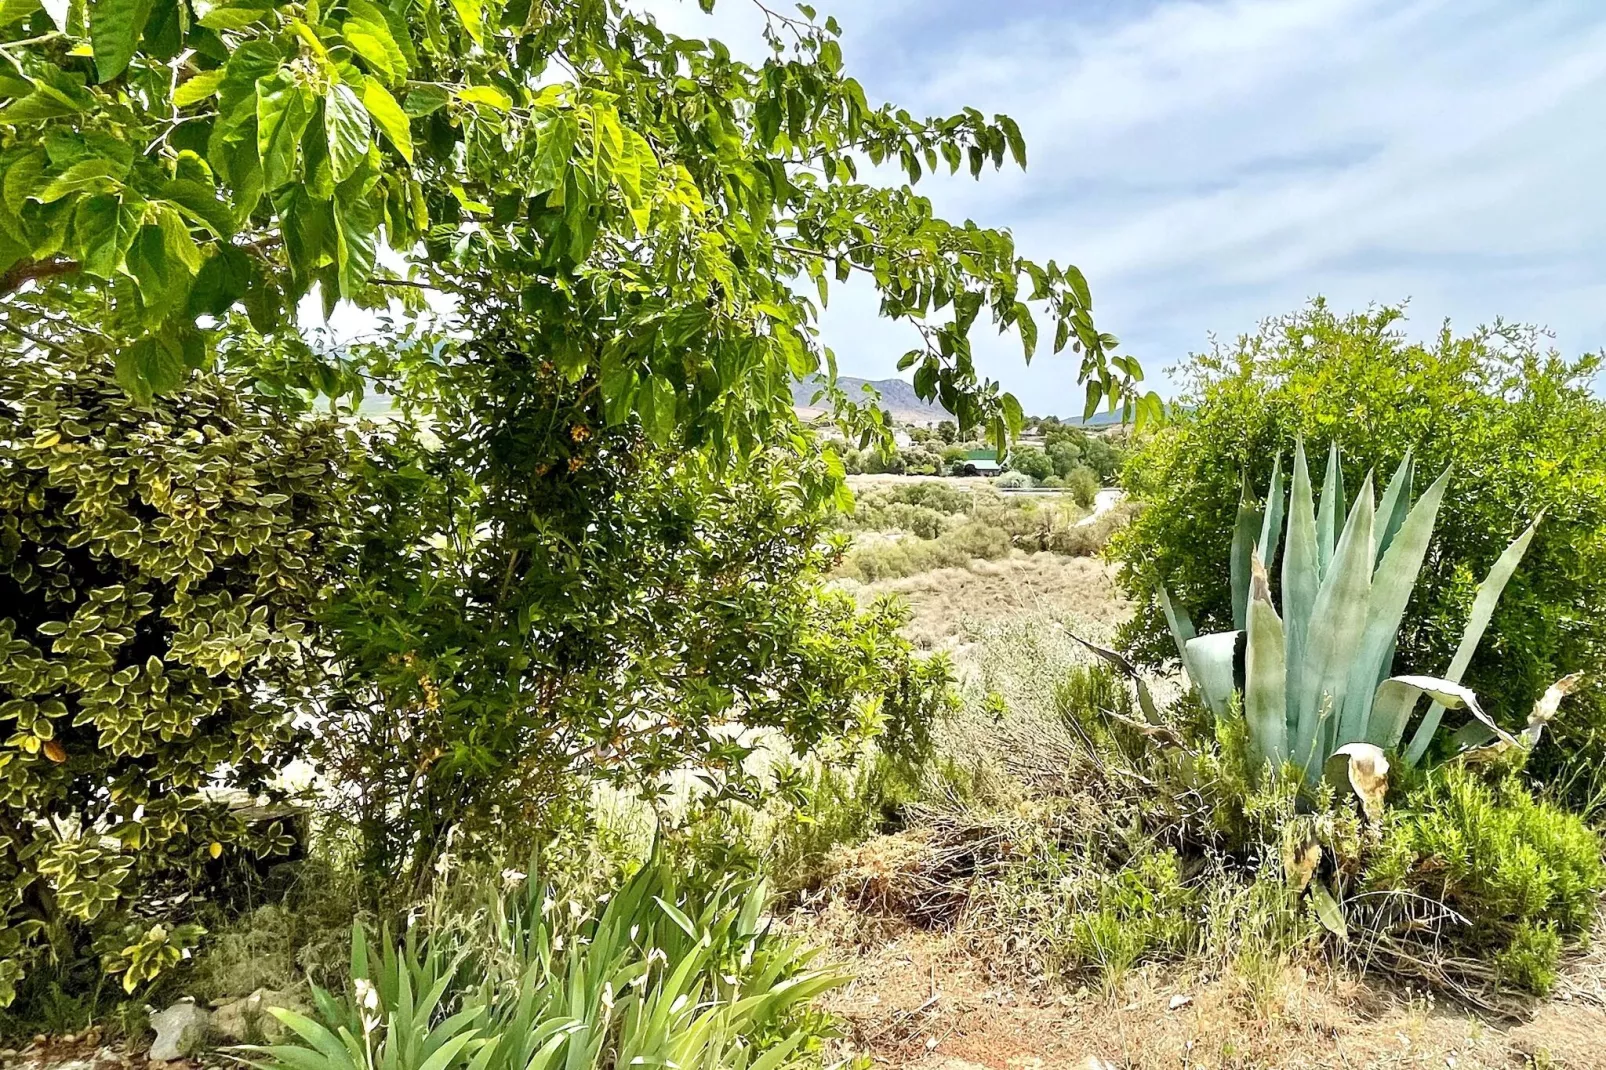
650	200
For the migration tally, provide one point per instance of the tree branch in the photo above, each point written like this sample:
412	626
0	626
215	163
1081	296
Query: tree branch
28	270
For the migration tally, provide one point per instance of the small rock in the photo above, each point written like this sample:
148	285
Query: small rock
1179	1001
181	1030
8	1053
244	1020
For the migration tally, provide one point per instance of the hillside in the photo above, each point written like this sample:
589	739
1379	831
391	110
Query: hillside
898	397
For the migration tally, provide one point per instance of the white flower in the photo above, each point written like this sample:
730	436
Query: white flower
511	876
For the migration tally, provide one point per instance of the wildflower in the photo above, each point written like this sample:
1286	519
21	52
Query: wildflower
511	877
580	432
576	463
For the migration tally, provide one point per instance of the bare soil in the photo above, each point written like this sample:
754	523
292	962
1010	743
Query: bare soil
925	1000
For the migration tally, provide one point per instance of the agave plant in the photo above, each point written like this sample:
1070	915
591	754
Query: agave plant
1316	680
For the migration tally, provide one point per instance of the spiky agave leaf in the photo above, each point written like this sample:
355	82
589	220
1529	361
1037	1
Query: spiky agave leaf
1392	583
1301	575
1483	605
1396	503
1330	514
1245	532
1265	675
1397	696
1214	662
1338	621
1179	623
1271	525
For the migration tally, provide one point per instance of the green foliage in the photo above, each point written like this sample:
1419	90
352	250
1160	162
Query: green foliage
165	162
156	566
1520	873
1489	404
1031	461
531	981
537	599
1083	484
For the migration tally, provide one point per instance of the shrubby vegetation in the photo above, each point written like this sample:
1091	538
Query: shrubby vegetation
1515	422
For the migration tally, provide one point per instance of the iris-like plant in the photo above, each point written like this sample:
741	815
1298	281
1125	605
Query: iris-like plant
1316	680
652	978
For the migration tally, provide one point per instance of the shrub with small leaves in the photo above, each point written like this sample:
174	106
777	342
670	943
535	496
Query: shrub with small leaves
157	567
1520	874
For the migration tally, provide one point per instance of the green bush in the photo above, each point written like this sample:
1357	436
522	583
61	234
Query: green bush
1013	481
1032	461
158	565
1521	429
1083	484
535	980
1522	873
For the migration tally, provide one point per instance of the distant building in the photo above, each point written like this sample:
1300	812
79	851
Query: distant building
979	463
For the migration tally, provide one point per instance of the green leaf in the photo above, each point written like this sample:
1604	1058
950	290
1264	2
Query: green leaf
284	107
198	88
94	175
472	15
1014	417
1265	676
114	29
103	229
389	116
1328	912
1078	284
488	95
345	121
424	99
147	368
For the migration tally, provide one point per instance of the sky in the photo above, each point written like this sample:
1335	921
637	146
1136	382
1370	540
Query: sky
1209	163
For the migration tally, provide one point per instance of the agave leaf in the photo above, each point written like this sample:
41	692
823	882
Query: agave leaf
1546	707
1328	912
1329	516
1396	503
1271	526
1396	697
1213	663
1391	589
1301	574
1177	619
1364	769
1130	671
1244	533
1265	675
1482	610
1338	621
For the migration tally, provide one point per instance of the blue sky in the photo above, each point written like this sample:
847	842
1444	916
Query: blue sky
1208	163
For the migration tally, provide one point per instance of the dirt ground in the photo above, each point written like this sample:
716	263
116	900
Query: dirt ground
925	1001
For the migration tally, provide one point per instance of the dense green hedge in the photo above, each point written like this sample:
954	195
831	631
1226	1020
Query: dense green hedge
1519	425
157	568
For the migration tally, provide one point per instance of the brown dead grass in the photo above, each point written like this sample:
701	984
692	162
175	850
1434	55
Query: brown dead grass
925	1000
946	603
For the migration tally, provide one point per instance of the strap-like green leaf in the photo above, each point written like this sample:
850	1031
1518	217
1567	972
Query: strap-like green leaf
1245	530
1265	676
1330	514
1301	575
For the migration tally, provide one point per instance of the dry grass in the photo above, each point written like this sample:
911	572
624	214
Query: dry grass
928	999
949	604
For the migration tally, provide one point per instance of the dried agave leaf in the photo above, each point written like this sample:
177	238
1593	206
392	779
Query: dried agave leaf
1301	856
1365	768
1547	705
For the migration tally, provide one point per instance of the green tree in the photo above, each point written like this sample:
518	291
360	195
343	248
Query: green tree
1031	461
539	600
1519	425
1083	484
651	206
156	568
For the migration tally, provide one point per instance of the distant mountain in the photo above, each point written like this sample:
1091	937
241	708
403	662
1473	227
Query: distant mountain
897	397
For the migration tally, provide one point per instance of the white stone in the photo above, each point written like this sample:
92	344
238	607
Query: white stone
181	1030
